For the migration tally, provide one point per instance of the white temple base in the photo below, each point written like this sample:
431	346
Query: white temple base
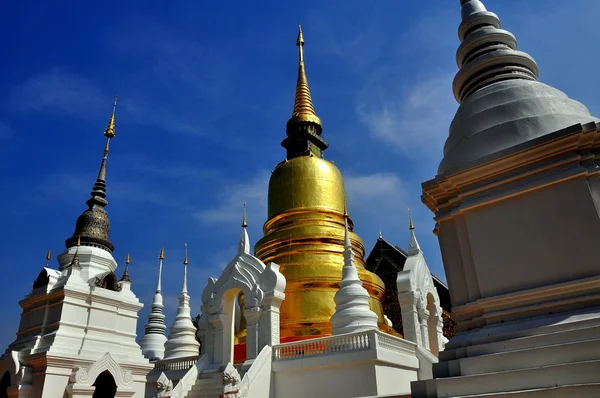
547	356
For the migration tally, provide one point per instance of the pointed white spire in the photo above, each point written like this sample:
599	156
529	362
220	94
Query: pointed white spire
244	244
413	244
153	342
182	337
352	311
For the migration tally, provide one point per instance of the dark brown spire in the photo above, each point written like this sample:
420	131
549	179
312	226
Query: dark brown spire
93	226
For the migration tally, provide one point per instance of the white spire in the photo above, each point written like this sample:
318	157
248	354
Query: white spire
352	312
153	342
182	337
413	244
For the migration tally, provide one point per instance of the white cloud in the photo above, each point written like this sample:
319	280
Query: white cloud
412	119
233	196
72	94
376	201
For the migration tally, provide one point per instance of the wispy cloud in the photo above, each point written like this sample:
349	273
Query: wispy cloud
59	89
376	201
231	197
412	119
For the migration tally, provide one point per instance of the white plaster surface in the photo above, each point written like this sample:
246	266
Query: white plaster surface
78	329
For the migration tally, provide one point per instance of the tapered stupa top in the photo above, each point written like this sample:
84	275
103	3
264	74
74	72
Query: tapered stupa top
304	127
487	53
502	104
185	265
161	255
244	220
125	277
93	225
48	256
304	110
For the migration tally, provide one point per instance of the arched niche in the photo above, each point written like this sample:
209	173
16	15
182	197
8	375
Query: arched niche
84	380
42	280
105	384
108	281
262	286
5	382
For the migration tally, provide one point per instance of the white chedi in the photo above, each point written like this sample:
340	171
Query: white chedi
182	337
153	342
352	311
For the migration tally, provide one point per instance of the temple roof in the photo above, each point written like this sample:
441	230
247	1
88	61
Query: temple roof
388	259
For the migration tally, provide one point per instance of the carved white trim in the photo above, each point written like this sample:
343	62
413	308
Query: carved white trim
11	364
263	287
123	379
415	285
163	386
230	375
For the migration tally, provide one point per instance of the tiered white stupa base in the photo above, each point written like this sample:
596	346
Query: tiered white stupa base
546	356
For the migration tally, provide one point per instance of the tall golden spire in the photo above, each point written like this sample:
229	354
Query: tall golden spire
93	225
304	109
304	127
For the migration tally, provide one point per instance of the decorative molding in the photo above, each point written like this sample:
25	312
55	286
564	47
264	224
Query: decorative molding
577	145
163	386
230	375
87	377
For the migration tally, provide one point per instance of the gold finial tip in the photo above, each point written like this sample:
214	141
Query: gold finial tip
244	220
78	240
49	254
300	40
161	255
127	259
110	129
411	226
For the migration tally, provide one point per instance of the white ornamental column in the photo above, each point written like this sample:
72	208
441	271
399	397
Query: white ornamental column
352	311
153	342
182	337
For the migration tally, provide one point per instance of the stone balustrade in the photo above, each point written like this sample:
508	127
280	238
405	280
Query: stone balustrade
372	339
166	365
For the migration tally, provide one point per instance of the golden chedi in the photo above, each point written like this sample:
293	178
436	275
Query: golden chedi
304	232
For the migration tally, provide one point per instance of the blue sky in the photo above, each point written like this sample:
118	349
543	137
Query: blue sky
205	90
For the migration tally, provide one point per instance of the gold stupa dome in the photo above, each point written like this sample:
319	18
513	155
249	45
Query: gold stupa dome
305	182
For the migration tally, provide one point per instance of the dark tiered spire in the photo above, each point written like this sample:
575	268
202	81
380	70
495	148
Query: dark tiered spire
93	225
304	127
